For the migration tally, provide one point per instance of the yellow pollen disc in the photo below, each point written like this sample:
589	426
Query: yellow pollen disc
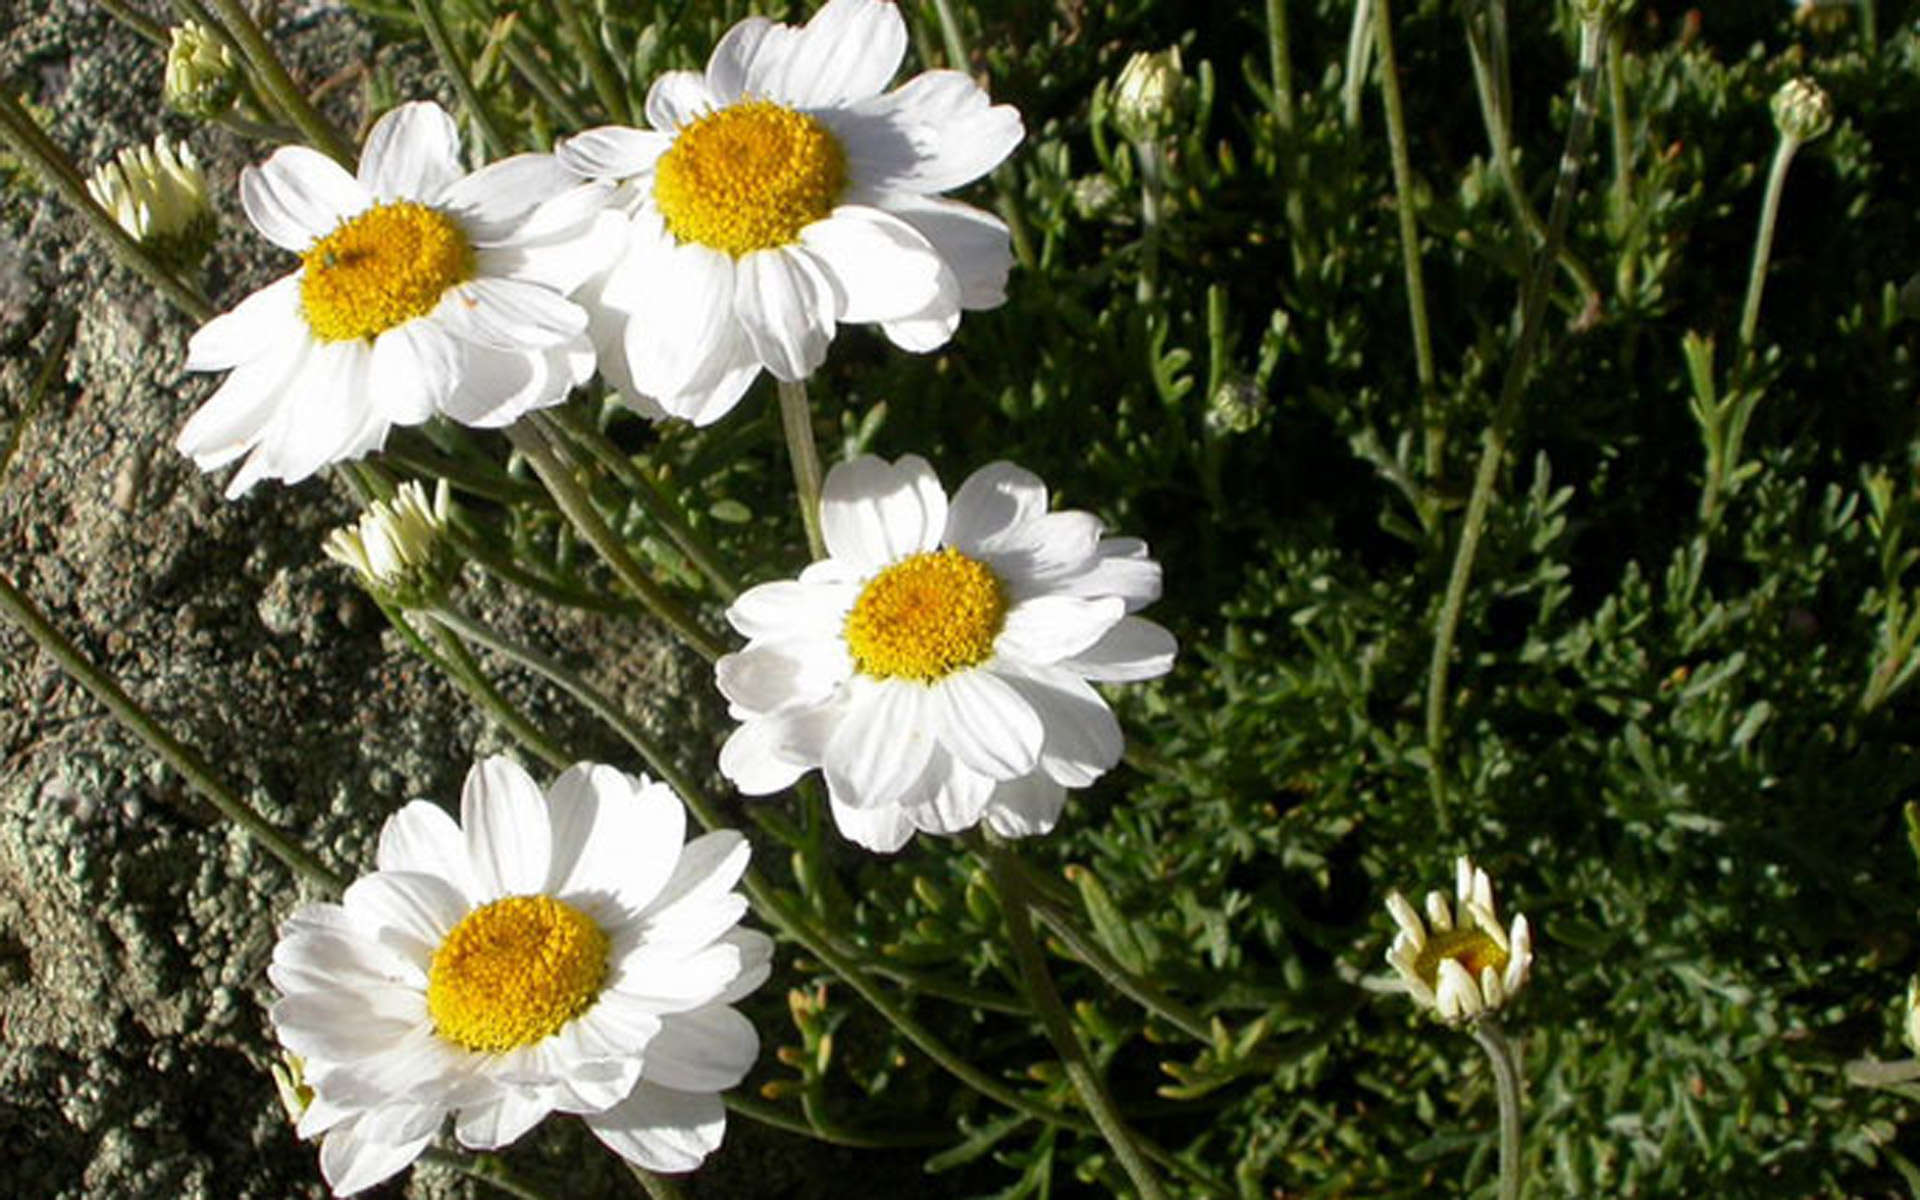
1471	948
382	268
926	617
513	972
749	177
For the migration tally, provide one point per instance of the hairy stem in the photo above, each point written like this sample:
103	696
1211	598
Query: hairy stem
796	422
279	85
1403	203
1763	237
1506	1080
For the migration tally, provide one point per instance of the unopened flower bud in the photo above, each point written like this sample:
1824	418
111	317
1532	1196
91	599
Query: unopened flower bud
202	78
1149	95
397	547
1093	196
157	194
1801	110
1236	406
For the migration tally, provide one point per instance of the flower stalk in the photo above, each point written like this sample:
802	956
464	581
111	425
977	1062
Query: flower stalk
273	77
1506	1080
1404	209
796	423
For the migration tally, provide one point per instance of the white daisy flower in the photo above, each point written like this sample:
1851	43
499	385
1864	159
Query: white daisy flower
937	665
783	192
422	290
565	953
1459	963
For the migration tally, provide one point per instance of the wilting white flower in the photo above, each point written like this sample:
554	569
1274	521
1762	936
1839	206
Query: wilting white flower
565	953
157	194
782	193
1459	963
396	546
422	290
938	664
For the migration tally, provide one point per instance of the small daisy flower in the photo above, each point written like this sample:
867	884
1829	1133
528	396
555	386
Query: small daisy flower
782	193
1459	963
937	665
421	290
398	546
560	953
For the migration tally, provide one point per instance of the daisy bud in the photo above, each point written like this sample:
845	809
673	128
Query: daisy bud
1148	96
157	194
202	78
1801	110
397	547
1459	963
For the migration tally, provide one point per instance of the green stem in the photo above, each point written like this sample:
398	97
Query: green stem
606	82
454	66
701	552
273	76
182	758
486	1168
20	131
1280	64
136	20
1506	1079
1409	237
1763	238
796	423
1533	302
1015	902
1359	59
579	509
771	1115
1152	160
467	673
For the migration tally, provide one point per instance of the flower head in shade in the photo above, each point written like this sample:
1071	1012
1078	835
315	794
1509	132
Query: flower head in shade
1459	963
566	953
784	192
397	546
422	290
157	194
937	666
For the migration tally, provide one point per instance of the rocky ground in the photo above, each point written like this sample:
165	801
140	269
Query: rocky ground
134	926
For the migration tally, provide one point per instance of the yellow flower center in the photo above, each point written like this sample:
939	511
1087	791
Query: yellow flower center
513	972
1473	949
926	617
749	177
382	268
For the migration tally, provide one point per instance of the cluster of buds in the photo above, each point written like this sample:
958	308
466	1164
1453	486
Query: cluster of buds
397	547
1150	95
202	78
158	194
1802	111
1459	963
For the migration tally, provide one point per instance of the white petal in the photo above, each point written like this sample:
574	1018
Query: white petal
631	841
975	245
510	315
1120	567
993	500
299	196
509	840
498	387
754	40
414	912
960	798
411	153
255	328
773	675
848	51
706	1050
882	830
1026	807
707	869
422	838
1047	629
788	608
351	1161
613	151
1040	555
755	950
768	754
413	371
233	419
882	743
874	513
1134	649
678	99
679	301
956	134
986	724
492	204
319	418
881	269
492	1125
1083	738
670	979
661	1129
786	306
